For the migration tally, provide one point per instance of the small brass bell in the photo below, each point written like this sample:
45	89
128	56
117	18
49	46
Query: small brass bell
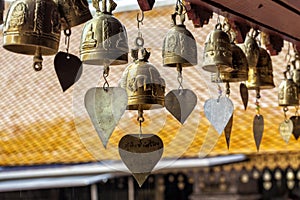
32	27
288	92
143	83
104	38
239	65
261	77
73	12
179	45
217	51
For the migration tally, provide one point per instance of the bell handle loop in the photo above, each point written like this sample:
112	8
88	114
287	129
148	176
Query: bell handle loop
218	26
37	60
253	33
180	10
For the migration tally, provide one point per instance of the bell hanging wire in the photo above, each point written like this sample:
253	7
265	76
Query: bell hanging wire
32	27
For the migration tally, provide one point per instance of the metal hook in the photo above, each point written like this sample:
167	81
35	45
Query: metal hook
140	21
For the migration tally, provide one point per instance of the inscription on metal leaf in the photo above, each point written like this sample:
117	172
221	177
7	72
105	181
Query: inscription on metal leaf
105	108
286	129
180	103
218	112
140	154
258	129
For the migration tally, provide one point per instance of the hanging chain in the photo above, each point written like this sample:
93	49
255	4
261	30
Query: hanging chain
257	102
179	78
67	33
227	89
285	109
105	75
218	85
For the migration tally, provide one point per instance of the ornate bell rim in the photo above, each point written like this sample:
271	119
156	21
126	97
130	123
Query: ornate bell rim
23	33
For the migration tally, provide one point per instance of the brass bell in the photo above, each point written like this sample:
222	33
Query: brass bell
32	27
73	12
179	46
251	49
104	38
143	83
217	51
288	92
261	76
239	65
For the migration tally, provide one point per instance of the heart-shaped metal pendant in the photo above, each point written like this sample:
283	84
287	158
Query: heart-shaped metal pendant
68	69
227	131
296	126
105	108
286	129
180	103
218	112
258	129
140	154
244	94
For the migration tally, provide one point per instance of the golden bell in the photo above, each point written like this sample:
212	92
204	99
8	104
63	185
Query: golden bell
143	83
288	92
73	12
251	49
32	26
179	45
240	68
217	51
261	76
104	40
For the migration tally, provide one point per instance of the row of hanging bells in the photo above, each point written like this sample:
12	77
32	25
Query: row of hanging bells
288	96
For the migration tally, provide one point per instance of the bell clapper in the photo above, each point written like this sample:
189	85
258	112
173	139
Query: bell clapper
67	33
296	112
257	102
37	60
140	119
